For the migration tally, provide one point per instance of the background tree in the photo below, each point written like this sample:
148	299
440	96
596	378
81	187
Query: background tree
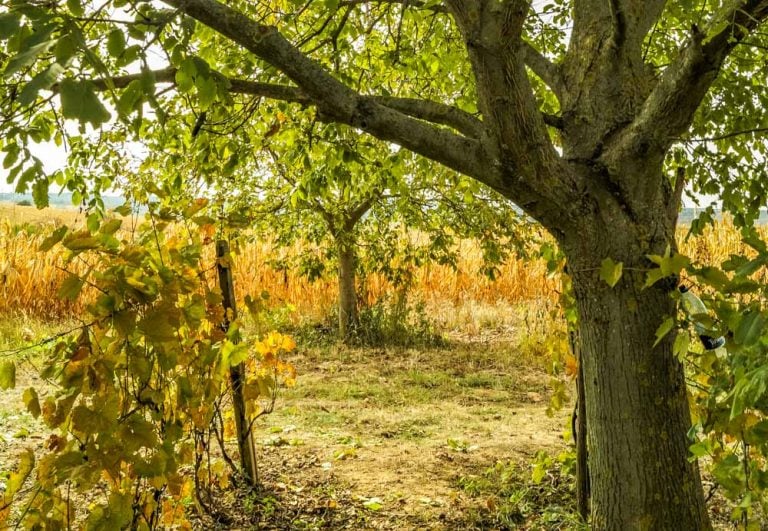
581	128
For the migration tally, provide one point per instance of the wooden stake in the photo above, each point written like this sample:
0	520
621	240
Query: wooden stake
237	372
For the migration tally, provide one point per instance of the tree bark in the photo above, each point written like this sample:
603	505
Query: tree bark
580	435
636	401
347	291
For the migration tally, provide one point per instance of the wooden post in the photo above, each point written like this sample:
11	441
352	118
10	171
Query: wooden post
579	427
237	372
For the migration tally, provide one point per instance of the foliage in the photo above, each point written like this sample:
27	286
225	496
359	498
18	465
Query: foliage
728	385
141	383
396	321
513	498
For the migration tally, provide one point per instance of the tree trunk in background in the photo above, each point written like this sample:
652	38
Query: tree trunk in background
347	291
636	401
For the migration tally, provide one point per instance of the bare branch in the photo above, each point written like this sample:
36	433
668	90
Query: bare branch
726	136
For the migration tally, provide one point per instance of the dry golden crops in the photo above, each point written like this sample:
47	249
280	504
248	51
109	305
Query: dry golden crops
29	279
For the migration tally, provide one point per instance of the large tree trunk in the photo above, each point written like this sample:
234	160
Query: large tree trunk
347	291
640	475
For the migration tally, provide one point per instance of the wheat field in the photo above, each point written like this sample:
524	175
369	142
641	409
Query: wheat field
460	297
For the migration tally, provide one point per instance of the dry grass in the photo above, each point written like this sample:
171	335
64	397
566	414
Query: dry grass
461	300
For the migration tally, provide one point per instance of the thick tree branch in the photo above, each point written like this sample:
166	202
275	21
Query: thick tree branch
548	71
534	174
427	110
336	101
669	109
436	8
434	112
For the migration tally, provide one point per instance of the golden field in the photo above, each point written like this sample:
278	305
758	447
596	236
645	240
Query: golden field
457	299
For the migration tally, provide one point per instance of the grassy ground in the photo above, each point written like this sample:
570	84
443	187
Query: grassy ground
407	426
384	438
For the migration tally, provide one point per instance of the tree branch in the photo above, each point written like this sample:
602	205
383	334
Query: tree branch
548	71
534	174
437	8
427	110
336	101
669	109
726	136
434	112
358	212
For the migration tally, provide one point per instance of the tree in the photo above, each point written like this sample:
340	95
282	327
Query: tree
363	206
357	201
581	112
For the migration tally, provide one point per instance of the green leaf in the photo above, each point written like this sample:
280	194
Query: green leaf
115	43
758	434
111	226
40	192
654	275
79	102
29	175
18	478
31	401
750	328
664	329
729	473
65	49
157	327
233	354
80	241
124	209
750	267
611	271
7	375
682	343
748	390
42	81
26	58
373	504
76	7
206	91
130	98
9	24
70	288
713	276
53	239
